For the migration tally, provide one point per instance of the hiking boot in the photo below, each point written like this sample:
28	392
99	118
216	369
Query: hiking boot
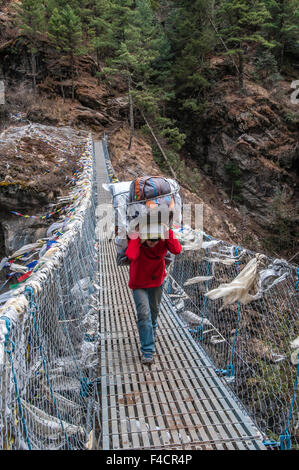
147	359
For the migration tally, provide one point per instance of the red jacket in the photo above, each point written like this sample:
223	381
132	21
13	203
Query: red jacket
147	267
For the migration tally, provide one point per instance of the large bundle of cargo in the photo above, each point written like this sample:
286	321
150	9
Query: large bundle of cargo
144	202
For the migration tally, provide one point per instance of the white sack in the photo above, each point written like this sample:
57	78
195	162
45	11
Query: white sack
238	289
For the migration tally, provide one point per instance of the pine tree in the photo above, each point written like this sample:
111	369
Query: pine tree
140	60
192	40
120	16
240	22
162	9
82	8
100	31
132	60
283	27
30	19
65	30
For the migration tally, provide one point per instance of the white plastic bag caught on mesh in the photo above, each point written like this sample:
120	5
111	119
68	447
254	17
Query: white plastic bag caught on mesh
82	288
89	354
3	332
275	273
295	353
48	425
3	263
188	238
197	279
54	227
238	289
4	297
27	249
193	319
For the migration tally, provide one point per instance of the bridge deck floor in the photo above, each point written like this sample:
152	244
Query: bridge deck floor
178	402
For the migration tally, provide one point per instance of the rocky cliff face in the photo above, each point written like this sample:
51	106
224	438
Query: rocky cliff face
248	145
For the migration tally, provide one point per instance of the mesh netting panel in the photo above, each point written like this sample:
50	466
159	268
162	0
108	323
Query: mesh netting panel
48	374
249	344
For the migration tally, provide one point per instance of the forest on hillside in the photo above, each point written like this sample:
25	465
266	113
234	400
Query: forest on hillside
161	48
163	55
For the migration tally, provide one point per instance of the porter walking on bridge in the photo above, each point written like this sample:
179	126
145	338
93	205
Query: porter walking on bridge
146	251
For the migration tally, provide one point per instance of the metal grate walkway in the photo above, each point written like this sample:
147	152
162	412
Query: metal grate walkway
177	403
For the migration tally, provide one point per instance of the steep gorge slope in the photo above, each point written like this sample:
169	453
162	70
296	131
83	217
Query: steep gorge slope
249	143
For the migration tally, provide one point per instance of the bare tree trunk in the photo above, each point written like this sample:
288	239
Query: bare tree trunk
131	113
241	71
223	43
62	90
72	69
98	65
33	70
158	143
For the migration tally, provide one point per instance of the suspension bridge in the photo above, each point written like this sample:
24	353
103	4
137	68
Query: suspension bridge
70	370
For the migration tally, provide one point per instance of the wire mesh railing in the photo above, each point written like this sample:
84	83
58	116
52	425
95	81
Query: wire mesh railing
250	344
49	336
